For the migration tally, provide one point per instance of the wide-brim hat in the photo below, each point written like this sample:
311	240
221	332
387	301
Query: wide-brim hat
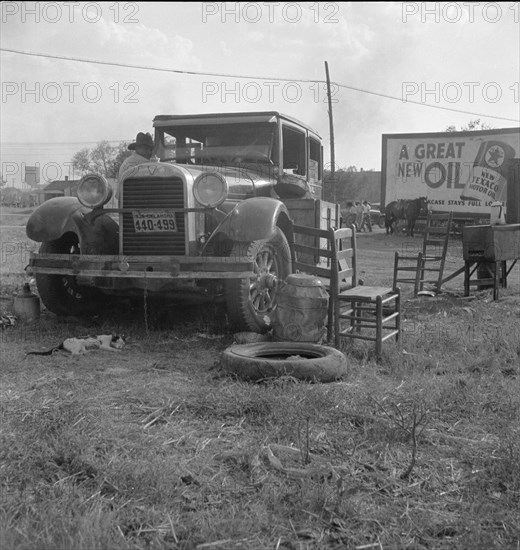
143	140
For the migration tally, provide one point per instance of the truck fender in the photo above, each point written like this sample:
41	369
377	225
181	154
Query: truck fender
56	217
254	219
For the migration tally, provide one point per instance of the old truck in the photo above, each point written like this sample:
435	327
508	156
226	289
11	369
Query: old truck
207	219
462	172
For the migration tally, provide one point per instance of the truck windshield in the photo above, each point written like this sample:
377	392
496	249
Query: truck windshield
217	143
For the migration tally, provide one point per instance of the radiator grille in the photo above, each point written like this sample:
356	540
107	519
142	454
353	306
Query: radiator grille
149	194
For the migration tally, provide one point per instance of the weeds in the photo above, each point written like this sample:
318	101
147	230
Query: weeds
148	450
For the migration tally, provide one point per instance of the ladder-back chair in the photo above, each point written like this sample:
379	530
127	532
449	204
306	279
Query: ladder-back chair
426	266
371	312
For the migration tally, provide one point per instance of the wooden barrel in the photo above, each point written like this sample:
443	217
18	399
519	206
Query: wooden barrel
301	312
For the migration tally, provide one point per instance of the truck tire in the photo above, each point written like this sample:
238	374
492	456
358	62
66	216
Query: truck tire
252	302
300	360
381	221
61	294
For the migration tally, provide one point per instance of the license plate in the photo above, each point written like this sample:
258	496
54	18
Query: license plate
158	221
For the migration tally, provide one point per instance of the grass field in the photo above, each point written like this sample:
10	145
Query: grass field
154	448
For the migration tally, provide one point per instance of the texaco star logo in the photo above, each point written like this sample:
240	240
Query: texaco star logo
495	156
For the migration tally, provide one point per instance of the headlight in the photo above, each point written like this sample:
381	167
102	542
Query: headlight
210	189
94	191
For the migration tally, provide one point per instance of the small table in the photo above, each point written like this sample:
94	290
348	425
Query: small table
490	246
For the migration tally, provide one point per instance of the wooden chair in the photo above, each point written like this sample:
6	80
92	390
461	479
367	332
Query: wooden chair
418	268
372	313
313	254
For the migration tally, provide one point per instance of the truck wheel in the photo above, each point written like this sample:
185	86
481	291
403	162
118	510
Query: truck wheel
61	294
249	301
301	360
381	222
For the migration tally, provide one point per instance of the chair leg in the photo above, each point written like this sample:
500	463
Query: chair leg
396	267
495	281
419	275
379	326
337	322
330	319
398	318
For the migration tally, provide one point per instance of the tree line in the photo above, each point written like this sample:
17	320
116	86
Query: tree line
104	159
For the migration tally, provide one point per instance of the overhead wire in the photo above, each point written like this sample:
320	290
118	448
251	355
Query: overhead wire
253	77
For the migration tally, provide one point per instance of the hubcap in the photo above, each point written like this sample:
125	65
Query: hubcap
263	286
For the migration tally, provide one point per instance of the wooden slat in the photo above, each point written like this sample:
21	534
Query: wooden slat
311	231
345	254
312	250
312	270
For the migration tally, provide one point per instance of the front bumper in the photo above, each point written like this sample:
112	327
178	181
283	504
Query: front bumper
142	267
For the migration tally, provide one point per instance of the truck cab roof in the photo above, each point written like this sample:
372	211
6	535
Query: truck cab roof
229	118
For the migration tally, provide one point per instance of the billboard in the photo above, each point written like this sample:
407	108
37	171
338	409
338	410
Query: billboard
463	172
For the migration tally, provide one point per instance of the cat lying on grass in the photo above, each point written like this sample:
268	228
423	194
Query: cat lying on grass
78	346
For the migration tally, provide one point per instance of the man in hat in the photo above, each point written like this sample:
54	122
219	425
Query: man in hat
142	150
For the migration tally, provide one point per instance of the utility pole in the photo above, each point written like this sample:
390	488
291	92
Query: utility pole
331	127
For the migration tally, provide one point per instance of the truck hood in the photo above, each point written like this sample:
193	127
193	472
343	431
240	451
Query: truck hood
239	172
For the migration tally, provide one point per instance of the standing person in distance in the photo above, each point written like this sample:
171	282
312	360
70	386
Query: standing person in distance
367	222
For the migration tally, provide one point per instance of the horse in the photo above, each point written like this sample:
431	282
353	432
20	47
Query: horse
408	210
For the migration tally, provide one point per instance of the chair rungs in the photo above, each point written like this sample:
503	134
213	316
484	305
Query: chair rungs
390	317
390	334
364	322
409	258
346	334
389	299
433	254
357	336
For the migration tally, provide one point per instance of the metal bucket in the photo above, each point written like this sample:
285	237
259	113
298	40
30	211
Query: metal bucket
26	305
302	305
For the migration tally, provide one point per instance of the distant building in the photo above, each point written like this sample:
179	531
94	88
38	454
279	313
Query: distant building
32	176
60	188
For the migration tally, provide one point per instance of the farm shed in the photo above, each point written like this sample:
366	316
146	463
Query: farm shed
60	188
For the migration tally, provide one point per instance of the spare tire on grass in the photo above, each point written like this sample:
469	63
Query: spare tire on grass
301	360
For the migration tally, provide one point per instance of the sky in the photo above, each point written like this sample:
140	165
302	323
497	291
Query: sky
395	67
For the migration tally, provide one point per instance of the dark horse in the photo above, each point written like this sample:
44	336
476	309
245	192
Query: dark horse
408	210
